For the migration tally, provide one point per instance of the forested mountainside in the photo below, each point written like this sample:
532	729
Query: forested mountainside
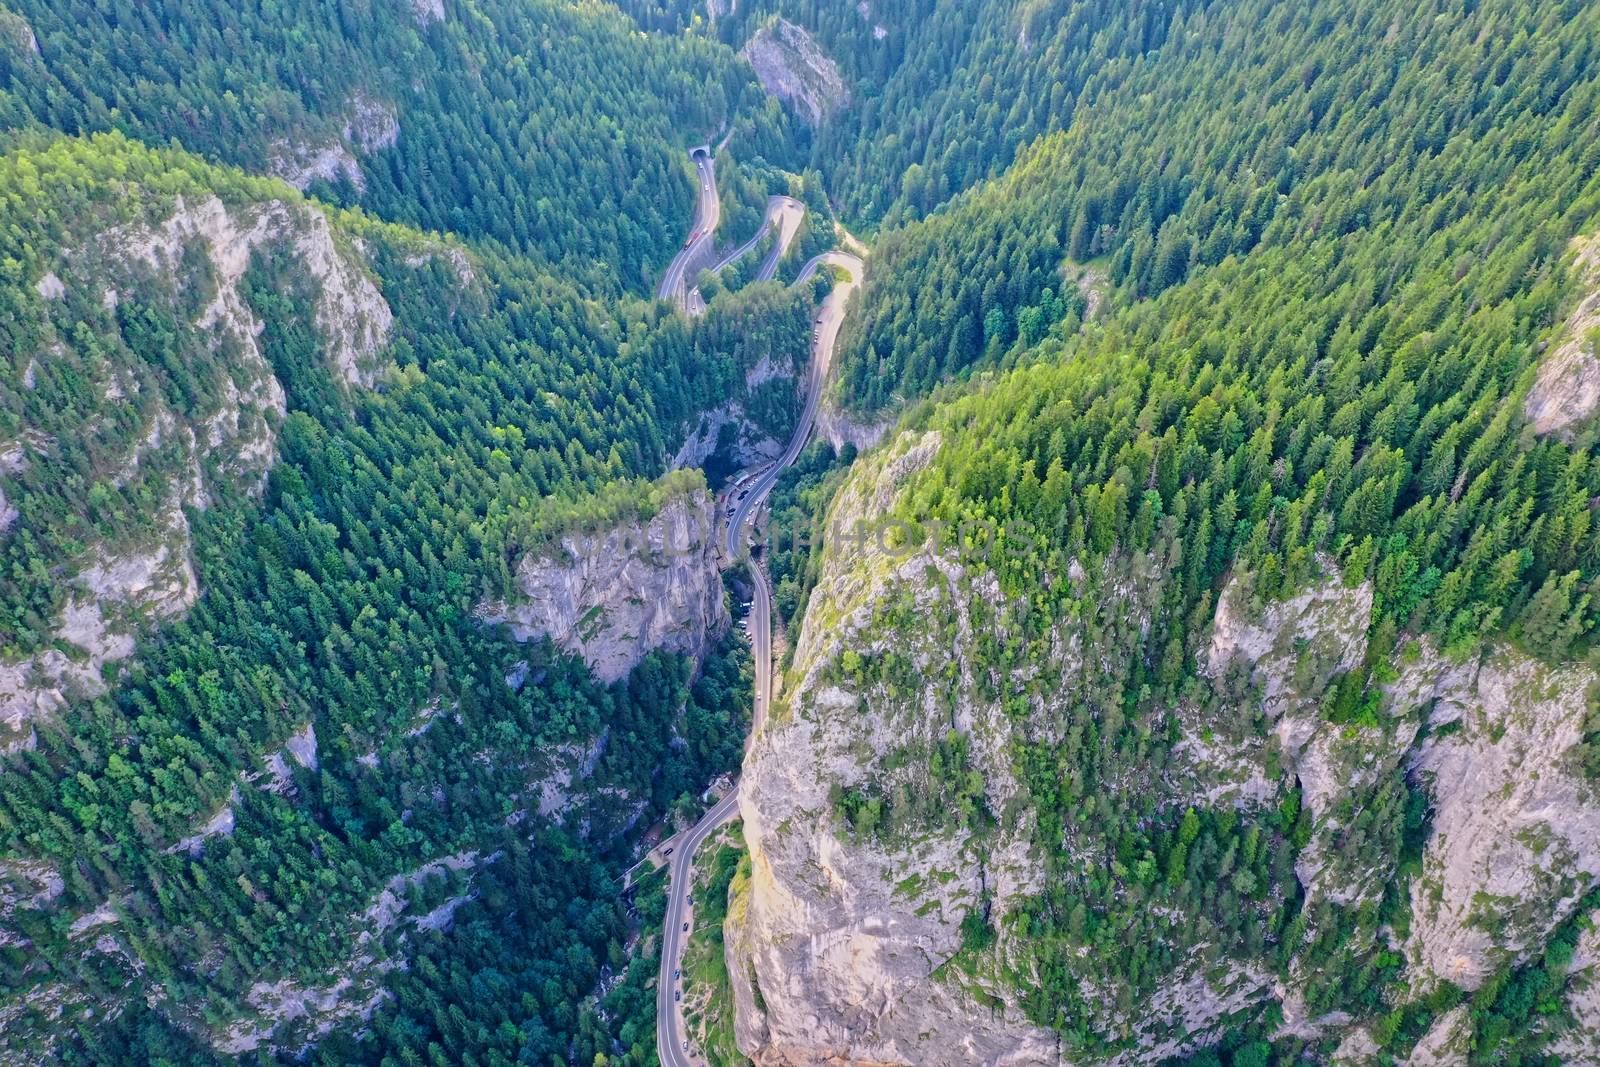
1201	670
1254	707
1441	148
944	94
326	369
552	128
278	784
259	820
938	95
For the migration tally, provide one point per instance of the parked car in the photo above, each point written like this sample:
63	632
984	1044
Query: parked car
685	927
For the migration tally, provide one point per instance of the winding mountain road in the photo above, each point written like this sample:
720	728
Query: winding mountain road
826	335
707	214
748	497
784	212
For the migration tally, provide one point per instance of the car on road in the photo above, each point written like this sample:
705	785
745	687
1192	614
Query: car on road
677	972
668	852
685	927
677	995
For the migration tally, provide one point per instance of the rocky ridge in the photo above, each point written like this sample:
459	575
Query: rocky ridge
368	126
289	1017
751	444
839	941
1566	390
16	30
791	66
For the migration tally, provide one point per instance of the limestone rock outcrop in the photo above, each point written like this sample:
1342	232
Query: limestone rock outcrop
791	66
1566	391
1516	825
369	126
847	944
222	446
841	939
614	595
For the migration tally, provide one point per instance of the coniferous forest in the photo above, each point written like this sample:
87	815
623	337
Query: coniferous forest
320	321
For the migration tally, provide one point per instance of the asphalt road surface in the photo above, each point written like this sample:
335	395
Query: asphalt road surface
707	213
749	500
748	495
784	213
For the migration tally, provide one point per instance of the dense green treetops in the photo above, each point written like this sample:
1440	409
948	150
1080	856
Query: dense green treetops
1328	247
342	598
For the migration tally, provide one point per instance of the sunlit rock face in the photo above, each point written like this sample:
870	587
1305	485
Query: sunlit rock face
614	595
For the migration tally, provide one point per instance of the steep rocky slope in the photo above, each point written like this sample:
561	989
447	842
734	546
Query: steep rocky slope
1566	391
896	842
793	68
838	937
369	126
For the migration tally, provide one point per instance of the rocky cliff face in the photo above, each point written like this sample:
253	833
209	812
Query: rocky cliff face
185	456
1516	825
428	11
750	443
368	126
1567	390
1580	1044
851	944
840	429
791	66
841	939
287	1017
15	31
614	595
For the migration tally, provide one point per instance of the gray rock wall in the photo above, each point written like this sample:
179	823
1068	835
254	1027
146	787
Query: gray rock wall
614	595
